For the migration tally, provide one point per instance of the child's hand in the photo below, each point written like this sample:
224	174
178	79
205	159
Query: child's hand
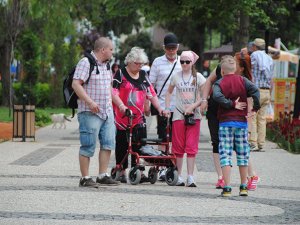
189	110
166	113
240	105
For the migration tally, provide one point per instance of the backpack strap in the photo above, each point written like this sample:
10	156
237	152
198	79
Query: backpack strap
93	63
73	112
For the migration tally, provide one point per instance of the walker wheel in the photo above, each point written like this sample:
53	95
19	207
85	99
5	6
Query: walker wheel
135	176
115	174
171	176
152	175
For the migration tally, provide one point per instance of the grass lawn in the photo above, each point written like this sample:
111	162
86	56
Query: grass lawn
5	117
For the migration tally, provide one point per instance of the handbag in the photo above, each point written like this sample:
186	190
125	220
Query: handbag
189	119
153	110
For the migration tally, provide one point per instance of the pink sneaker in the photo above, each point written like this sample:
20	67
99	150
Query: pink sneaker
252	183
220	184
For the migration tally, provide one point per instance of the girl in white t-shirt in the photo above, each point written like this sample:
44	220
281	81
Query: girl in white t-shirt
185	137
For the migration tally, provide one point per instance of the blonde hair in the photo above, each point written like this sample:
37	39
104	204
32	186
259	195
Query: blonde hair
228	64
194	74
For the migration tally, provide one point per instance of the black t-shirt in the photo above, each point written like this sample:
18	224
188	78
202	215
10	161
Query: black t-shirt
212	109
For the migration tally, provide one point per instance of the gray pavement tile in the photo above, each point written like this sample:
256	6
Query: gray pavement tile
39	185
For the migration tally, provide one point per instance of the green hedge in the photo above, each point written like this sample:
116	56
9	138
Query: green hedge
39	95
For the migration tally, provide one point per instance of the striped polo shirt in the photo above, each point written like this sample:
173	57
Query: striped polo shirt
160	70
98	87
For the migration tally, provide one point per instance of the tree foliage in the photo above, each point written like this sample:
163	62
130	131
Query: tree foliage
45	34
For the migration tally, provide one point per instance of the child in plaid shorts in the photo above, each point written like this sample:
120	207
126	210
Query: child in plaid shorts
231	92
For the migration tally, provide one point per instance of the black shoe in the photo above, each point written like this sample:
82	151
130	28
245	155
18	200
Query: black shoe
191	185
106	180
123	179
144	179
88	182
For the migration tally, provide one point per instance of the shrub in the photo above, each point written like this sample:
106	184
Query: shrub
42	94
41	118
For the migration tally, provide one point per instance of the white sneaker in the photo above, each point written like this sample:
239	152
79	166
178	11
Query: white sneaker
180	182
162	174
190	182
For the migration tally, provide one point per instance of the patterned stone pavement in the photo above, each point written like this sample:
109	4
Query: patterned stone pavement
39	185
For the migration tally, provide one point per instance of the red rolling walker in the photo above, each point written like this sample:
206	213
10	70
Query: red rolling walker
166	159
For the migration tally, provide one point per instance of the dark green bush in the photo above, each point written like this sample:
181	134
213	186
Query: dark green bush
41	118
39	95
42	94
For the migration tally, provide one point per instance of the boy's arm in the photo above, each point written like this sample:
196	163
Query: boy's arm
219	97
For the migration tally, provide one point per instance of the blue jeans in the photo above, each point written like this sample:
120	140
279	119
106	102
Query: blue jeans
92	126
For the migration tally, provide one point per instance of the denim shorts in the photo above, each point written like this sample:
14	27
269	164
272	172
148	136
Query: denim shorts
92	126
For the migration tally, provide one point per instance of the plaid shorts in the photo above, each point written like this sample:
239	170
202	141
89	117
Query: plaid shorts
232	138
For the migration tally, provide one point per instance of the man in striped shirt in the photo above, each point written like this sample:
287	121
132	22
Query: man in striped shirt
262	72
95	113
159	72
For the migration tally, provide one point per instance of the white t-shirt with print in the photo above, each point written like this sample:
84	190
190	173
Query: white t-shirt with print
185	93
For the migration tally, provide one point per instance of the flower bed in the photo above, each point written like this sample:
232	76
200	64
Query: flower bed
285	132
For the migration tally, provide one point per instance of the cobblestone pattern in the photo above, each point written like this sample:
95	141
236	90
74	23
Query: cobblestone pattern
37	157
291	213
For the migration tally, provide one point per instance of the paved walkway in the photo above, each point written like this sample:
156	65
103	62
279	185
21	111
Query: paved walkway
39	185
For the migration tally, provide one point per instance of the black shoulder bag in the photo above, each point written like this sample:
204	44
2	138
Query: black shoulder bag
153	110
189	119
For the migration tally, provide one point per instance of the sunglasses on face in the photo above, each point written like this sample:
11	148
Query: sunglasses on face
185	61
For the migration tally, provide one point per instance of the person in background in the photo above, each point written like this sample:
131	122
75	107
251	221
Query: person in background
262	72
205	68
243	68
131	88
232	115
114	68
186	136
95	113
161	71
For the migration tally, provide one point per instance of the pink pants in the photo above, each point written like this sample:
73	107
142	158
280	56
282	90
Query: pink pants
185	139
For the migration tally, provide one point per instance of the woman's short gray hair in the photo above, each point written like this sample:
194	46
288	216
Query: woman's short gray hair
136	54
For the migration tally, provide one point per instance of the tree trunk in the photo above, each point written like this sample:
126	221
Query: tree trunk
5	56
241	36
198	44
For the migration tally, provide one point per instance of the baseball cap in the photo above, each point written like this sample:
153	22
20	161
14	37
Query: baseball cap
170	40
